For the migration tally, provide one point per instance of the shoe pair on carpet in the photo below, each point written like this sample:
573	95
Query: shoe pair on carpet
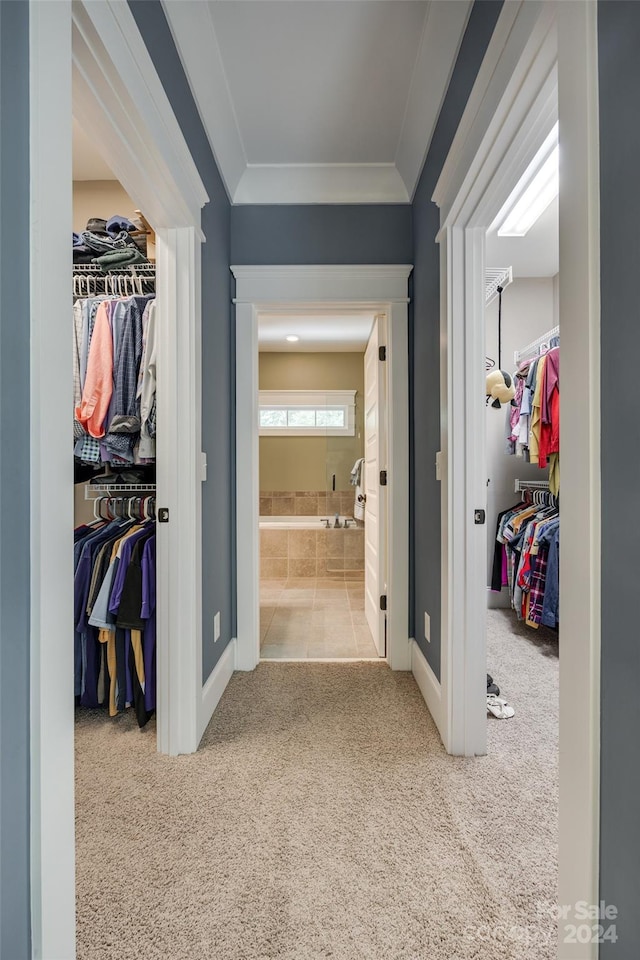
496	705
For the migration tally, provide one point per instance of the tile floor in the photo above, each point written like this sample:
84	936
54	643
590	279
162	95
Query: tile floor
309	619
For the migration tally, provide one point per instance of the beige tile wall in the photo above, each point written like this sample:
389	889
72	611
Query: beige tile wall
306	503
298	554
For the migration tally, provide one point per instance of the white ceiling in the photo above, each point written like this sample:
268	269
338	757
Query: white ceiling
87	160
319	332
535	255
311	101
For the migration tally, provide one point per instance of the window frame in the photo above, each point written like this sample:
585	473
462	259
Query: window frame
309	400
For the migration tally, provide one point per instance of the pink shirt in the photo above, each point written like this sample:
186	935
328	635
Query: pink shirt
98	384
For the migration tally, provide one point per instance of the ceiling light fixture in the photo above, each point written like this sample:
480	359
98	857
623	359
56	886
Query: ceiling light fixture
539	185
292	338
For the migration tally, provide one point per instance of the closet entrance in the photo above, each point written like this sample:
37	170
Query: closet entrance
132	127
542	71
114	449
522	328
322	416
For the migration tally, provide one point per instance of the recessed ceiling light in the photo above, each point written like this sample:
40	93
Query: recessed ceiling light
292	338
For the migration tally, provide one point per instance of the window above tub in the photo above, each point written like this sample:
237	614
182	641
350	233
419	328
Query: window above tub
307	413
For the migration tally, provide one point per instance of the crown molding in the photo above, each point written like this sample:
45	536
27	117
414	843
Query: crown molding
321	183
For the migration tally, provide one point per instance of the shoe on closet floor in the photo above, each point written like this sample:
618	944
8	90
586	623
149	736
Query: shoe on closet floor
499	707
492	687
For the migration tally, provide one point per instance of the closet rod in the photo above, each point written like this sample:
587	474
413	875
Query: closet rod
535	347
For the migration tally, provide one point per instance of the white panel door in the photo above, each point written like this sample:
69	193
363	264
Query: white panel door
375	506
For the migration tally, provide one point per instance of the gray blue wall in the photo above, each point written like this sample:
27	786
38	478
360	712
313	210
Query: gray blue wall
619	78
298	234
15	934
218	353
424	339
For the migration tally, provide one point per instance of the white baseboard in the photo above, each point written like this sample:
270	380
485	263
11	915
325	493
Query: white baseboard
216	685
430	688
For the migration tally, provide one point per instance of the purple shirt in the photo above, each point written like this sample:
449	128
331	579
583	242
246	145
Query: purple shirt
551	380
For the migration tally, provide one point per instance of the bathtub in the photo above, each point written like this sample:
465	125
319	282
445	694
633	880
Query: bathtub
301	523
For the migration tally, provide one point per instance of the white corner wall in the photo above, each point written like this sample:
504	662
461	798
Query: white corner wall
529	309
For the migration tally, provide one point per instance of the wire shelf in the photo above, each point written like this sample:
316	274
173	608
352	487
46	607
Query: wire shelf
496	277
522	485
132	268
94	490
537	347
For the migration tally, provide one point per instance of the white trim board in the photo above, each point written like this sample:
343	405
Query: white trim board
384	288
123	107
216	685
429	686
52	823
511	108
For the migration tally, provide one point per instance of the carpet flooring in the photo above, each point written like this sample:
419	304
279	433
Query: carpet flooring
321	818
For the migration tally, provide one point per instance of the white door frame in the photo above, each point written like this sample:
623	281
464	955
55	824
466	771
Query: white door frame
383	289
541	59
120	101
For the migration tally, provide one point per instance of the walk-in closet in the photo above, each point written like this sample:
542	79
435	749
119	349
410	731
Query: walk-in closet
114	450
523	343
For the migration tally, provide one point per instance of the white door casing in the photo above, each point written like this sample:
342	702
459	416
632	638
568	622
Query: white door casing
121	102
375	578
379	288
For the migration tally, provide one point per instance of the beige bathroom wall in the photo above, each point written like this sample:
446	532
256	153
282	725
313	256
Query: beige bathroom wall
308	463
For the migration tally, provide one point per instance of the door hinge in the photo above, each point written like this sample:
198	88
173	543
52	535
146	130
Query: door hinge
383	602
382	353
383	478
163	515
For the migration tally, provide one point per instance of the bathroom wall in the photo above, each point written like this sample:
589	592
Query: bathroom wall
307	464
300	554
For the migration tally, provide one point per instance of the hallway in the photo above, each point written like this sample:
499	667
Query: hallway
321	818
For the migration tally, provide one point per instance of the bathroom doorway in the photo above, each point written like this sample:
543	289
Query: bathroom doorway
322	291
322	518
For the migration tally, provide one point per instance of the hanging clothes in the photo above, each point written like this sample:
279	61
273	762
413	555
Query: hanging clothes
533	423
528	545
114	604
114	378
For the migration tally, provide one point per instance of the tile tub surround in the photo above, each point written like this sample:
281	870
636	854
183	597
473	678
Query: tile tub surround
314	503
309	553
313	619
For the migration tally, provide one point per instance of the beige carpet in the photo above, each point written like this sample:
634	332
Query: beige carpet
322	819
